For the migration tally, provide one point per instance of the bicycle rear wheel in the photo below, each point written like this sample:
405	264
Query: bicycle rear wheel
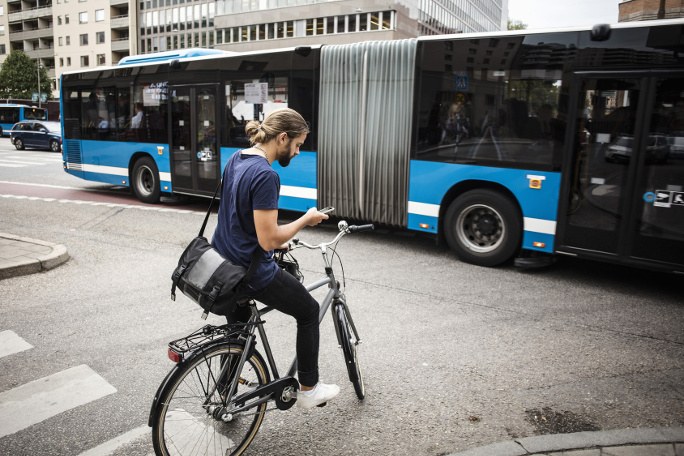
188	422
348	343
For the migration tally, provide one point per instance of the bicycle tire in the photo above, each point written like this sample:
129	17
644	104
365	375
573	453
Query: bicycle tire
348	344
183	425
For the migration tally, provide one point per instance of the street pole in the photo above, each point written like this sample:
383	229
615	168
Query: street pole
38	66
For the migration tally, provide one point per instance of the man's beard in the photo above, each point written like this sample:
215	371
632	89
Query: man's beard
285	159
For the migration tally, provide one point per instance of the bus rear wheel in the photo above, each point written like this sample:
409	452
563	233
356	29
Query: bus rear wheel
145	180
483	227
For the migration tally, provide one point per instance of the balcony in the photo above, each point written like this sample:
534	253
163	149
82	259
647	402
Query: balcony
118	2
120	22
121	44
46	32
28	14
42	53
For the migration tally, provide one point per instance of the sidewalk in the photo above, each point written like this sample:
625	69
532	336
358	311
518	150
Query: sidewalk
21	256
665	441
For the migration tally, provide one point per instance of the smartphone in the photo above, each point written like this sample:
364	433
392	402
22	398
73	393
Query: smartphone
326	210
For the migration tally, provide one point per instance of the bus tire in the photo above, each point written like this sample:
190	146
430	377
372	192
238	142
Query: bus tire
145	180
483	227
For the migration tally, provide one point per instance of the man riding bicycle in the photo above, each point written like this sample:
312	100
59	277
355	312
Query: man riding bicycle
248	220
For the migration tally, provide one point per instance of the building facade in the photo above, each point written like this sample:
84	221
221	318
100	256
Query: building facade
65	35
644	10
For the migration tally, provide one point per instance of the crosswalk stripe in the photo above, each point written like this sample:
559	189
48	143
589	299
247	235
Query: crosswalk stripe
44	398
11	343
114	444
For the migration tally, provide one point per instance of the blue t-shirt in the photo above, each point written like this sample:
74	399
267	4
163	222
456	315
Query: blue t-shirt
249	183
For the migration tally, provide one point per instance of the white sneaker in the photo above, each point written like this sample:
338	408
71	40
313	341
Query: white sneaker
319	395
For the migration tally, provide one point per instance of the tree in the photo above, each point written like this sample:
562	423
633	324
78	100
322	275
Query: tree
516	25
19	77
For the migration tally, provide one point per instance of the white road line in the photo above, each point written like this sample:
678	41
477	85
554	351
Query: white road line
8	165
96	203
11	343
19	162
44	398
114	444
31	184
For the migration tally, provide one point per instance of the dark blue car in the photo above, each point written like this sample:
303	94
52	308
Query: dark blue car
37	135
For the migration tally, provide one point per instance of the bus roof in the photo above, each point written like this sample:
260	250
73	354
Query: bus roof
172	55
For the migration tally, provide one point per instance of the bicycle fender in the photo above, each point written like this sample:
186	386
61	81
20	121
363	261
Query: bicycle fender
156	402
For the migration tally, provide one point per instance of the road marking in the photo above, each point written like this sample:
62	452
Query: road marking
114	444
31	184
96	203
25	163
44	398
11	343
8	165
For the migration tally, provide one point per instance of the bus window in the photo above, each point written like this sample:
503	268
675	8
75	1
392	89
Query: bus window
249	100
489	102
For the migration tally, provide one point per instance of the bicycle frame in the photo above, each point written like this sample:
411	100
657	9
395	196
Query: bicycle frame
334	296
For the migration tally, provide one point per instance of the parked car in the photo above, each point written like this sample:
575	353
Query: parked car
37	134
620	150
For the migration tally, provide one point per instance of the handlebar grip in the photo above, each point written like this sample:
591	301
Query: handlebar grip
355	228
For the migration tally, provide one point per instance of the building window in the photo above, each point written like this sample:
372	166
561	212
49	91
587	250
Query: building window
99	37
3	51
83	17
84	39
59	20
85	61
101	60
61	61
68	40
2	29
68	58
66	18
59	40
99	15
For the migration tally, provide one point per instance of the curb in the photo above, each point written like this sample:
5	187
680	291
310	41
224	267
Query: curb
33	256
579	441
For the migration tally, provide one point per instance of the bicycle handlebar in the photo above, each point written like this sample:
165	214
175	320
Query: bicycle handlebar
344	229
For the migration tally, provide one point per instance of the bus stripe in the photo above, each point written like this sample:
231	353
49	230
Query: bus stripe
299	192
105	170
539	225
431	210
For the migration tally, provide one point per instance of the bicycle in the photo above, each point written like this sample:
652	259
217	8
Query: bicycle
215	398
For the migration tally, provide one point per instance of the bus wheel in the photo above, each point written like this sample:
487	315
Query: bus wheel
145	181
483	227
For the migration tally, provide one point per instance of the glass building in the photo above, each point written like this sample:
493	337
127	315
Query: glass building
243	25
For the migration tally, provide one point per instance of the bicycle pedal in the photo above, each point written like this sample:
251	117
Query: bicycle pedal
322	405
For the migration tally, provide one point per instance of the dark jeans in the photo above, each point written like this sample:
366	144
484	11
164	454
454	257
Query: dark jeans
288	295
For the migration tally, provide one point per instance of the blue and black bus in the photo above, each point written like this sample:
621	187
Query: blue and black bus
506	145
11	113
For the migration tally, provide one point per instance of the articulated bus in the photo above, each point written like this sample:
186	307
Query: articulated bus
11	113
506	145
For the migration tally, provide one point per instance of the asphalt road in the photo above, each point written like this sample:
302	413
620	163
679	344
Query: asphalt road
455	356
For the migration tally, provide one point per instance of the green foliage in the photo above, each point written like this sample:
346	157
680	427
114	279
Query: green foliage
516	25
19	77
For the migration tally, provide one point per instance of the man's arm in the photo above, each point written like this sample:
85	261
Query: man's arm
273	236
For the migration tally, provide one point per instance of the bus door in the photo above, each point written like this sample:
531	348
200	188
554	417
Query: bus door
195	161
625	179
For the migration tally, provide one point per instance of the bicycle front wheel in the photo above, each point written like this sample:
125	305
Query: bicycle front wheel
348	344
192	418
